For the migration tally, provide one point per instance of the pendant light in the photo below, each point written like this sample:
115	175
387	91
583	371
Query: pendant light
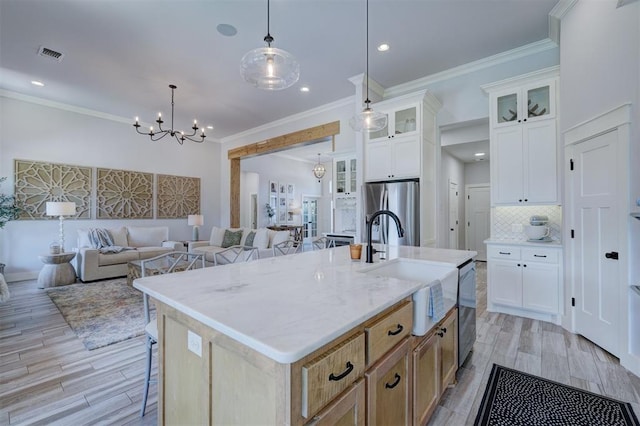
368	120
319	170
269	68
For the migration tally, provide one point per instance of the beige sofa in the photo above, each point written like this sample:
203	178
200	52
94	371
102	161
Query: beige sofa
262	239
141	243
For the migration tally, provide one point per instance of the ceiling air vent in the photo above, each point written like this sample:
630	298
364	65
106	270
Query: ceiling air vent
52	54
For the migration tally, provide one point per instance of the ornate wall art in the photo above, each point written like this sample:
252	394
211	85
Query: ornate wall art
123	194
178	196
38	182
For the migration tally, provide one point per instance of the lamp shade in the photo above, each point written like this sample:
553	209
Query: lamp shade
270	68
195	220
61	208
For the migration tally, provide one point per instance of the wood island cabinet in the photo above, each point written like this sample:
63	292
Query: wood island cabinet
435	362
376	374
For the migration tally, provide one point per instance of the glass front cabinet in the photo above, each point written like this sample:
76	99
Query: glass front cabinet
524	104
345	179
400	121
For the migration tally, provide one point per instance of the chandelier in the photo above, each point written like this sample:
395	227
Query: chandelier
179	135
269	68
368	120
319	170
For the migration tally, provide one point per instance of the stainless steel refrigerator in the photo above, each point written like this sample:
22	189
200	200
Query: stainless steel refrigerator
403	199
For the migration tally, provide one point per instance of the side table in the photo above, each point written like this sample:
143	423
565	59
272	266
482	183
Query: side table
56	270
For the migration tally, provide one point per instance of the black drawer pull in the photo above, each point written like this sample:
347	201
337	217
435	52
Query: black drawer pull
394	384
539	255
505	252
342	375
396	331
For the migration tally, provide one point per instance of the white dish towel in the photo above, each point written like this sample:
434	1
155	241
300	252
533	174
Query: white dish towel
436	302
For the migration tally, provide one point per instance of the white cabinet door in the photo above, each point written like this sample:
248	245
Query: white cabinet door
506	161
540	167
540	283
505	280
378	164
406	158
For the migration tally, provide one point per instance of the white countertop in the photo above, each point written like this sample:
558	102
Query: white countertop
286	307
523	242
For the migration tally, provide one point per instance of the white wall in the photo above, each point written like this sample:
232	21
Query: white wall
249	184
452	170
30	131
283	170
476	173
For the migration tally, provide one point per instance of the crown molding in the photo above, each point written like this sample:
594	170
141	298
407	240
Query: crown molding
550	72
72	108
489	61
555	17
299	116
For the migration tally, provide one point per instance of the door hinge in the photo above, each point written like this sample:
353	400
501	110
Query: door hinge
468	197
468	223
573	301
573	234
456	193
571	164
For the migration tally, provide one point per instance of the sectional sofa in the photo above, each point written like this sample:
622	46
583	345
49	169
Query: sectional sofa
262	239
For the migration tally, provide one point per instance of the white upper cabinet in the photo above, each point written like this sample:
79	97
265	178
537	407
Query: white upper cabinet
531	102
401	121
523	133
345	176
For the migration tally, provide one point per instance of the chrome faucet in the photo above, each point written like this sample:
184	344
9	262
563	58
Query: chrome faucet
370	249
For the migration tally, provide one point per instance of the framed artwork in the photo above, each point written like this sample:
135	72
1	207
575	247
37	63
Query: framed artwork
290	190
282	215
273	188
283	188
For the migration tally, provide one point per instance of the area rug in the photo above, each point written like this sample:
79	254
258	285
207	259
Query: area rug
101	313
516	398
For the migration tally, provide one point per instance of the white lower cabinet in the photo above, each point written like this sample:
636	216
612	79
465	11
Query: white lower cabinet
526	278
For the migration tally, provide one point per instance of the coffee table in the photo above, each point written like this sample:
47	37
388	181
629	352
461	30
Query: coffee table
56	270
167	263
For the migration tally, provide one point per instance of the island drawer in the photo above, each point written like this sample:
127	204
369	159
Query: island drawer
503	252
388	331
331	373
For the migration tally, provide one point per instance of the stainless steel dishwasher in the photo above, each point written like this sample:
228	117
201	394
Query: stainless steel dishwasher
466	310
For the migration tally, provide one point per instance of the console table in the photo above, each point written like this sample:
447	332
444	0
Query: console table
294	230
57	270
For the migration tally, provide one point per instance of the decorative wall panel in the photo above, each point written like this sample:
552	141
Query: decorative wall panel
123	194
178	196
38	182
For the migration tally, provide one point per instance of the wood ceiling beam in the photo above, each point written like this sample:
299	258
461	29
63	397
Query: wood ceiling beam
279	143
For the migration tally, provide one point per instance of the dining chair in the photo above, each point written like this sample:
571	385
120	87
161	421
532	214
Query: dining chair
287	247
163	264
322	243
236	254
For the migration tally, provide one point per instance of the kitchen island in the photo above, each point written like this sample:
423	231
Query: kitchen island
240	344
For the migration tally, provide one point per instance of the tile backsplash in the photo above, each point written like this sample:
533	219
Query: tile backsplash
505	217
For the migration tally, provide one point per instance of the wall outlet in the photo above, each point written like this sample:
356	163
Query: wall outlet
194	343
516	227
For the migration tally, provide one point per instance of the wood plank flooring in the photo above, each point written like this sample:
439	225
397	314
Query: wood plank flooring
48	377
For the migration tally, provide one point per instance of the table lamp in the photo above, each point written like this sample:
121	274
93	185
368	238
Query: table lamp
195	220
61	209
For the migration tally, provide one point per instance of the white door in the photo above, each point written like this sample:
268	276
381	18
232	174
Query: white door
595	219
540	165
478	219
506	164
309	219
453	215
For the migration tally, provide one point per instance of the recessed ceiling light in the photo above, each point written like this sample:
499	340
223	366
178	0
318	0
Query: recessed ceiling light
227	30
37	83
210	127
479	154
383	47
304	89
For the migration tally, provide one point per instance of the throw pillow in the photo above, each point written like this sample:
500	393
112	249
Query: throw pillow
249	240
231	238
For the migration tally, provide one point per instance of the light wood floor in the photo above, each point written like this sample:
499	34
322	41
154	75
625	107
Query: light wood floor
48	377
